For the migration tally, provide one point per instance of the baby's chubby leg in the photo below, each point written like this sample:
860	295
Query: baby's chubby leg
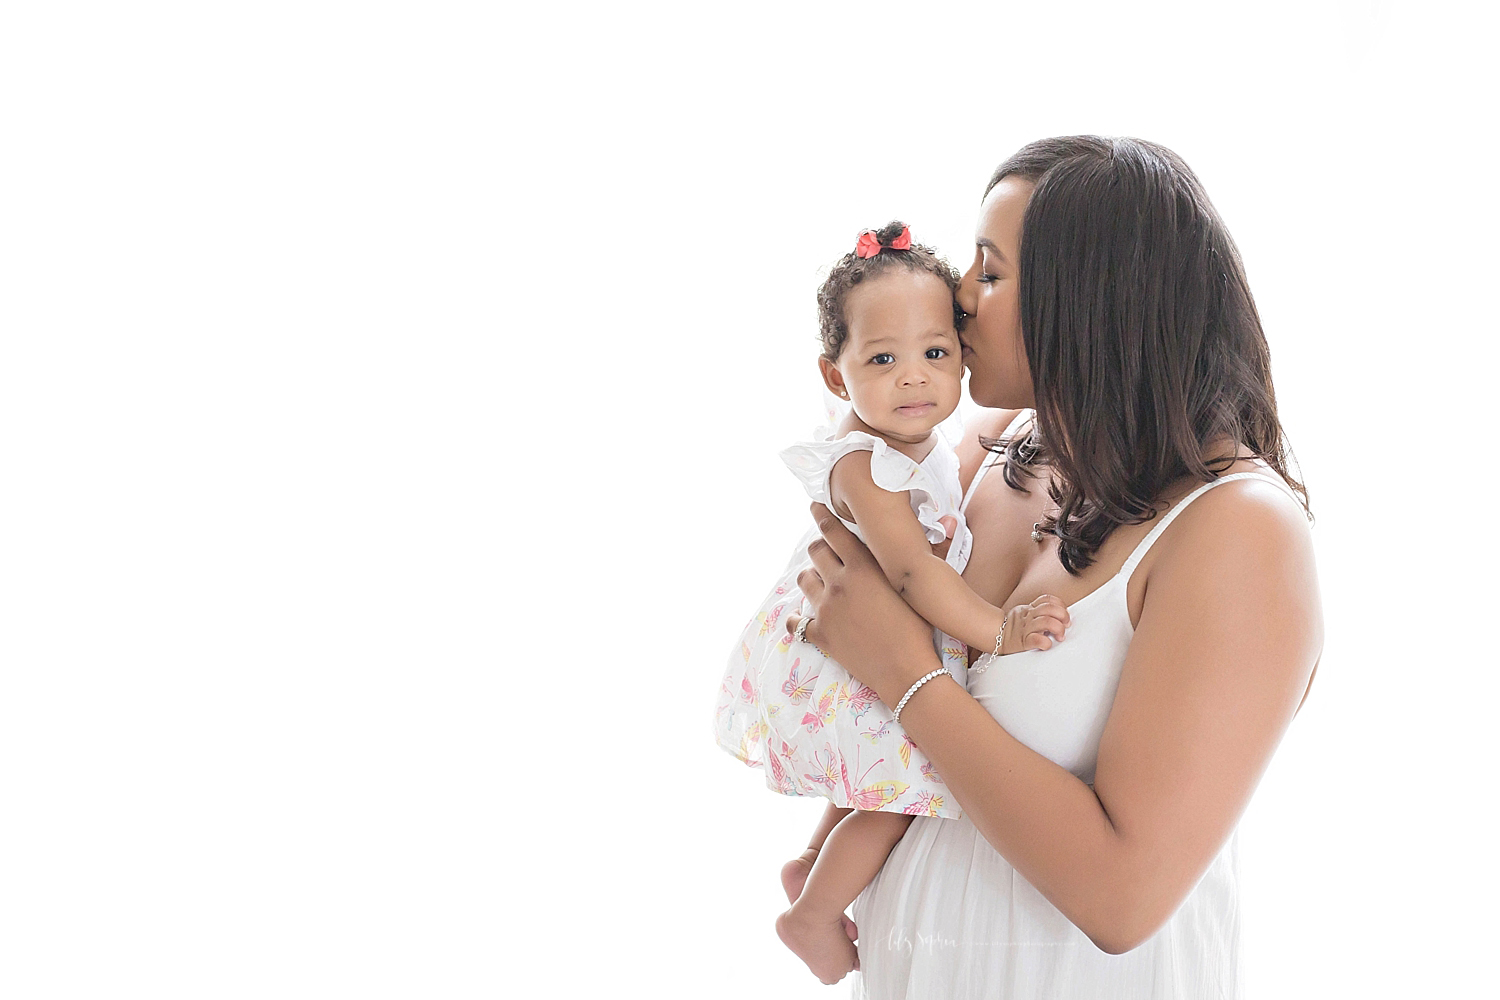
813	928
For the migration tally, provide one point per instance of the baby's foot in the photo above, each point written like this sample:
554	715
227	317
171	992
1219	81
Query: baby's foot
794	874
822	943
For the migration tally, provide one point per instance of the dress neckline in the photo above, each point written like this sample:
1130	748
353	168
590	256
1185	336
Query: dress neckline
1133	560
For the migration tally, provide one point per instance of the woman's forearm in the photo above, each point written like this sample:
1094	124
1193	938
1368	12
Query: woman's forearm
1041	818
1216	665
1068	850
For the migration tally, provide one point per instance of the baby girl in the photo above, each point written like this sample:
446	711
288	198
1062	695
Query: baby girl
890	347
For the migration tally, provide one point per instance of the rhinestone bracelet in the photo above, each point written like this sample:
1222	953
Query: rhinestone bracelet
896	713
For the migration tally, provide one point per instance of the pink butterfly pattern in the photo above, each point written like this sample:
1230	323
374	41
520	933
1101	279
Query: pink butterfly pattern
784	782
767	619
871	796
797	690
830	774
823	714
926	804
860	701
814	730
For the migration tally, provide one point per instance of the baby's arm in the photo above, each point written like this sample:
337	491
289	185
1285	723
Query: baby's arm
814	927
935	589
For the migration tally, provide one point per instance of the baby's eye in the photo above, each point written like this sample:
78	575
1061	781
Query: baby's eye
933	353
884	358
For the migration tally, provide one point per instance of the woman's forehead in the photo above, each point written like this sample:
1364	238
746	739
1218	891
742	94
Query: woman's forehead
1001	213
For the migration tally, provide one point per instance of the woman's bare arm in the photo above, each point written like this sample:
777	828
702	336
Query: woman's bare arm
1230	629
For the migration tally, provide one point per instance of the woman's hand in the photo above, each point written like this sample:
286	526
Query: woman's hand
857	618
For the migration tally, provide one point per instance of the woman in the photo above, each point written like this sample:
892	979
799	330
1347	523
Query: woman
1102	779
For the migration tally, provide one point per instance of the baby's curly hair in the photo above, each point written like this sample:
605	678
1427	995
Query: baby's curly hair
851	270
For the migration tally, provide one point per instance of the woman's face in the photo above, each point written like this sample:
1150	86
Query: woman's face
991	335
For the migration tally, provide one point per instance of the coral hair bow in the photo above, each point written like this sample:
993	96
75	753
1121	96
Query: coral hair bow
869	244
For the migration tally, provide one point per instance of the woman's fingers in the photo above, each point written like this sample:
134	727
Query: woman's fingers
811	585
843	546
814	633
792	621
811	635
824	559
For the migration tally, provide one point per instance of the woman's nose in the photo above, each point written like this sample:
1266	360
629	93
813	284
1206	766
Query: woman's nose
968	291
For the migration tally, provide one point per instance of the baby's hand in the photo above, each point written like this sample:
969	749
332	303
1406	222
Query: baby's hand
1036	625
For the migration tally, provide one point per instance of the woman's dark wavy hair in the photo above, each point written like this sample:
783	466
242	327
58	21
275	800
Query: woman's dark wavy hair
852	269
1142	336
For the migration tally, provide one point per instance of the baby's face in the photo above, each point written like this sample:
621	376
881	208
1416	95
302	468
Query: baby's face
901	363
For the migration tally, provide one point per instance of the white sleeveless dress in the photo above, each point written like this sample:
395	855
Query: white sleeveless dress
948	917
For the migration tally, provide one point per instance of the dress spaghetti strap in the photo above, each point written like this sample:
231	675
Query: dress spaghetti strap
992	459
1150	539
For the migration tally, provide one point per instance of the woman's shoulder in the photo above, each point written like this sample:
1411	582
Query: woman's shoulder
1248	516
1238	556
1246	486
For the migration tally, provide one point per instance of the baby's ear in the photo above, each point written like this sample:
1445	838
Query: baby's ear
832	377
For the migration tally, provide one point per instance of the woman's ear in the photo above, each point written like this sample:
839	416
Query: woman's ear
833	378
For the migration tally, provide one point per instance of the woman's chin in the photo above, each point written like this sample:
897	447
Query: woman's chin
984	396
997	397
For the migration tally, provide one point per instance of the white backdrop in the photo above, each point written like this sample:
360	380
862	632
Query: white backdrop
391	397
